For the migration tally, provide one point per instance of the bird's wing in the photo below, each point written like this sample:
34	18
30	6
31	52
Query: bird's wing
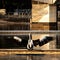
17	38
43	41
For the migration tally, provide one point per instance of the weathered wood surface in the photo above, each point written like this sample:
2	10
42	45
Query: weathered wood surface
24	52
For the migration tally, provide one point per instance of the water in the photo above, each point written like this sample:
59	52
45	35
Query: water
30	57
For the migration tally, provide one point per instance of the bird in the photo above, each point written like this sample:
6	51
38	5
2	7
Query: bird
31	43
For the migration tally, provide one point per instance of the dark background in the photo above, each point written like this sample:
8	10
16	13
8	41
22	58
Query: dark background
22	4
8	42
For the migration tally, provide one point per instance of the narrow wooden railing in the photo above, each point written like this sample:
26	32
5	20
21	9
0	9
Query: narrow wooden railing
24	52
24	32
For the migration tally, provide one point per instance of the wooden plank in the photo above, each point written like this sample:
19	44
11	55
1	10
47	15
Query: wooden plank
24	52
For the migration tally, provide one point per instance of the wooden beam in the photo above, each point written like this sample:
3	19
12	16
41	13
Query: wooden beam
26	32
24	52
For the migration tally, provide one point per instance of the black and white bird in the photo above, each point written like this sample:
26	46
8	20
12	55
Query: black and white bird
31	43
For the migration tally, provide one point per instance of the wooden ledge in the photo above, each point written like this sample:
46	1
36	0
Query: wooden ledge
24	52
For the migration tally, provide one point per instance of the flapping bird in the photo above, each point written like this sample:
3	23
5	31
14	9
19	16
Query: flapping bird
31	43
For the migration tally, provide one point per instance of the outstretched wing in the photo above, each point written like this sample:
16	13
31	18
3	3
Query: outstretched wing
43	41
22	42
17	38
